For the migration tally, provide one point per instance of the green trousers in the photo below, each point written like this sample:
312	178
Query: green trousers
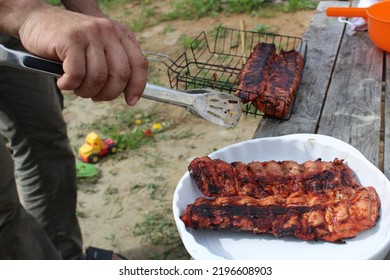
38	192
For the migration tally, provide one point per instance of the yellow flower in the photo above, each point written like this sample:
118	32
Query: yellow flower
138	122
157	126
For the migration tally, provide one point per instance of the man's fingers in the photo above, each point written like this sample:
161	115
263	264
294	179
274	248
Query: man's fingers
96	72
74	69
139	71
118	73
101	58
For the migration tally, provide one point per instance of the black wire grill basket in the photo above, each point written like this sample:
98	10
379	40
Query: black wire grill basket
218	65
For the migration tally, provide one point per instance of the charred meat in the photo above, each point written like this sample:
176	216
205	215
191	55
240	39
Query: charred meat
270	80
282	85
339	217
315	200
254	76
215	177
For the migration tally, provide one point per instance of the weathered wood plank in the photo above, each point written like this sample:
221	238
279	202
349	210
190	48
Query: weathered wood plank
352	110
323	38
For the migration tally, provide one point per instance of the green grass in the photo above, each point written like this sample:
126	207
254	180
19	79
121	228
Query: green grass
145	19
297	5
158	228
262	28
196	9
124	129
115	214
156	192
132	129
243	6
193	9
184	134
79	212
54	2
187	42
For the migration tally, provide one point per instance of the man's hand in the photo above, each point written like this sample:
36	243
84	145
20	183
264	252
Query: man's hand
101	58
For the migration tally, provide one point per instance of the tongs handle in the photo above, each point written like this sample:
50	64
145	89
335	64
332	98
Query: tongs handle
34	63
28	61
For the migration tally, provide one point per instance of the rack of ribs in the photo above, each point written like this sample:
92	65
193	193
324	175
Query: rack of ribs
270	80
315	200
333	220
215	177
252	79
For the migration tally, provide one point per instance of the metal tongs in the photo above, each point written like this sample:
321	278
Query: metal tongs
216	107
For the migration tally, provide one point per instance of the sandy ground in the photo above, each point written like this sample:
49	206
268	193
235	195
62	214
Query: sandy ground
128	207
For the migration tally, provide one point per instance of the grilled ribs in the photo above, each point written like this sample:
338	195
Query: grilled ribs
315	200
284	78
269	80
215	177
255	73
336	219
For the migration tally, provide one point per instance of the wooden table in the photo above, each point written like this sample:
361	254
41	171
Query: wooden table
344	91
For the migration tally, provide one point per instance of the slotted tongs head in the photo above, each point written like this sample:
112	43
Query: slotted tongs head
216	107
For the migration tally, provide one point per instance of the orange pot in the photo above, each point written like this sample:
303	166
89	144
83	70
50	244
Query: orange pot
377	17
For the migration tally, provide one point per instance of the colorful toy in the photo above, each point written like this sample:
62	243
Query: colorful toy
86	170
95	148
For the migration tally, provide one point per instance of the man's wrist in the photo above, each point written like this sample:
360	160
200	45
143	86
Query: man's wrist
14	13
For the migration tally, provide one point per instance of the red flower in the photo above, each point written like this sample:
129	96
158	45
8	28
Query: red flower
148	132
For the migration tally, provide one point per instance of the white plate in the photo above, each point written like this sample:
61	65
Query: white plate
207	244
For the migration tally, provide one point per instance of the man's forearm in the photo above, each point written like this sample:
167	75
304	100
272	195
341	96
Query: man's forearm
14	13
88	7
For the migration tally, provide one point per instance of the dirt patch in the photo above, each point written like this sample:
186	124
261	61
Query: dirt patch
127	209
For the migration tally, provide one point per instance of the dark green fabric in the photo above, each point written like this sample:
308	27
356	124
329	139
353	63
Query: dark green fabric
31	119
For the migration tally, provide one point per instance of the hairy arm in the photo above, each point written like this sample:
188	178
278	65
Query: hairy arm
88	7
13	14
101	58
